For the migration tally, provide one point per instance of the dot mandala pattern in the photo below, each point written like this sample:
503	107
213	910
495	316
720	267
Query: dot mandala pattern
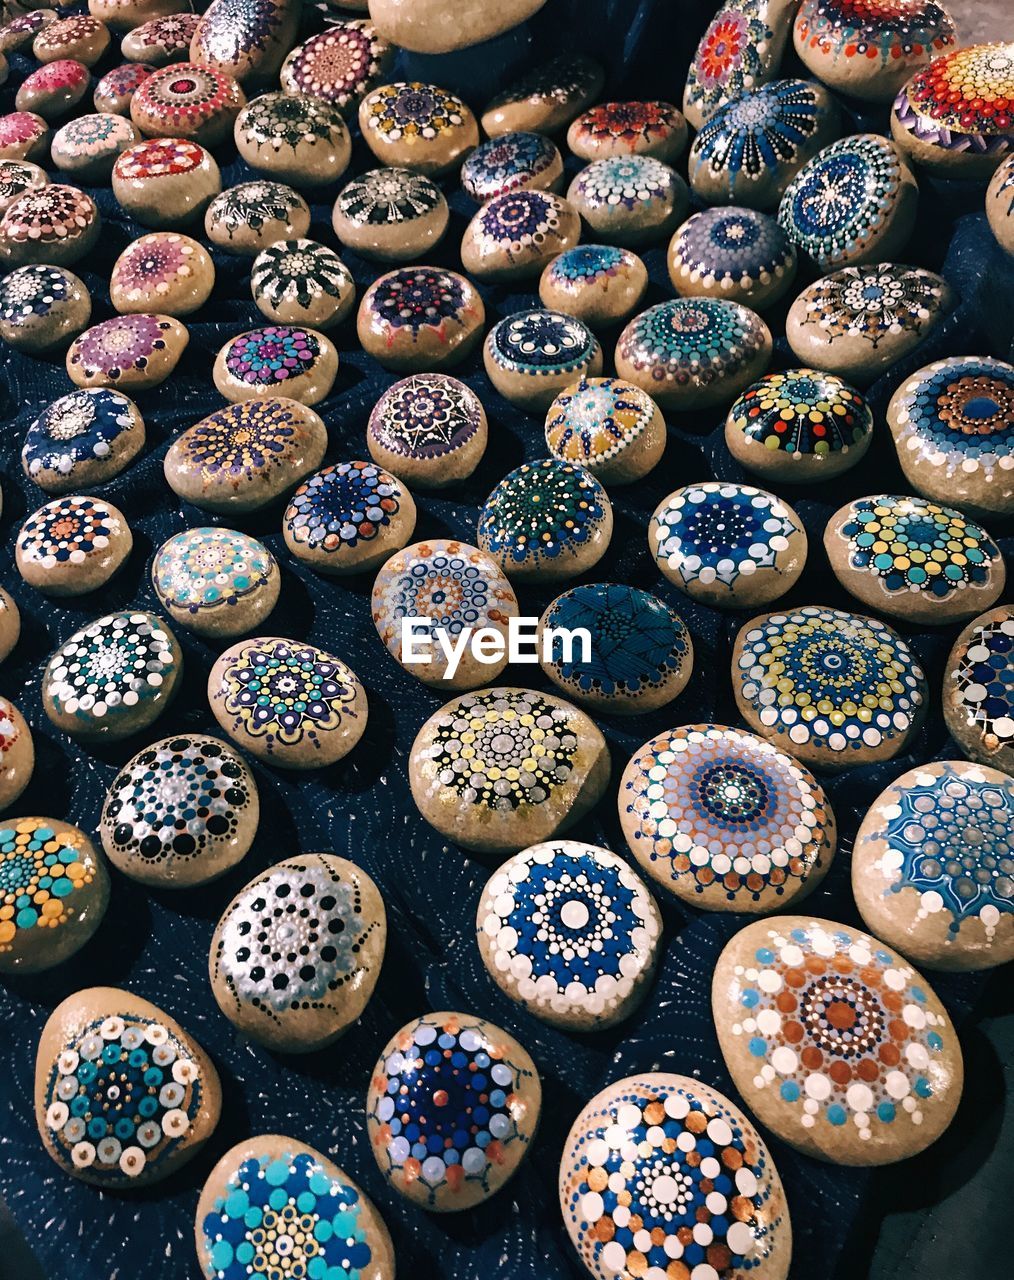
185	96
803	413
963	100
630	181
597	419
169	36
81	427
874	30
506	163
240	30
339	64
982	678
699	340
342	506
540	510
301	272
730	56
96	135
280	121
153	267
112	665
417	298
123	345
541	343
41	871
410	111
385	196
734	246
874	302
243	441
251	207
54	215
22	127
202	570
67	531
587	264
273	356
159	158
634	125
518	222
425	416
17	178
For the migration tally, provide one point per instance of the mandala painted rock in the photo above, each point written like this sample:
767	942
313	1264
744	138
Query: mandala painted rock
112	678
72	545
123	1095
164	272
532	356
430	598
87	147
54	89
54	889
180	813
167	182
81	36
428	26
500	770
728	545
24	135
571	932
999	204
248	218
393	215
247	39
115	91
136	351
297	953
978	690
629	200
348	518
639	654
546	520
953	427
161	40
854	202
610	427
732	253
22	30
693	353
301	140
662	1175
42	307
189	101
741	50
836	1043
547	98
835	689
10	624
417	126
273	1204
287	703
82	439
600	285
216	582
302	282
17	178
127	14
512	162
17	755
420	317
260	363
340	65
518	235
430	428
452	1109
55	225
629	128
246	455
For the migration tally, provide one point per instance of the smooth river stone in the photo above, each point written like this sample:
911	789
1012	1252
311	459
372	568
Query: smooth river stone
42	307
216	582
72	545
518	235
978	691
115	91
166	182
247	218
164	272
339	65
81	440
600	285
512	162
180	813
101	1038
732	253
54	89
721	1197
247	39
125	15
187	100
23	29
393	215
300	140
87	147
10	624
1000	205
420	318
835	1042
417	126
24	135
610	427
629	128
136	352
431	26
547	98
56	225
81	37
17	178
161	40
464	1082
17	762
297	952
302	282
429	428
532	356
741	50
629	200
262	362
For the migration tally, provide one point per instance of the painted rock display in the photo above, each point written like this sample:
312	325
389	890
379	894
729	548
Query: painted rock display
247	218
55	225
837	1045
302	282
247	39
629	200
512	162
741	50
474	1093
732	253
547	98
82	439
629	128
160	41
187	100
999	205
180	813
429	428
429	26
978	693
17	178
532	356
297	952
164	272
215	581
339	65
504	768
72	545
123	1095
288	703
300	140
598	284
115	91
17	761
86	148
834	689
81	37
519	234
42	307
54	89
22	30
420	318
167	182
417	126
10	624
134	351
264	362
610	427
24	135
393	215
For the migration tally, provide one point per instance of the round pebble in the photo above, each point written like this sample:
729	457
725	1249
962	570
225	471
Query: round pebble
420	318
600	285
302	282
86	148
17	763
115	91
134	351
547	98
999	205
300	140
216	582
246	40
512	162
339	65
532	356
630	200
24	135
186	100
393	215
81	440
430	428
518	235
42	307
81	36
54	89
56	225
610	427
248	218
264	362
740	51
165	272
732	253
629	128
417	126
429	26
161	40
22	30
167	182
978	693
10	624
17	178
72	545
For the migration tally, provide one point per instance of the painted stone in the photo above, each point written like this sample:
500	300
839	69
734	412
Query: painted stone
87	146
348	518
547	98
429	26
288	703
838	1046
340	65
247	455
721	1211
247	218
512	162
640	654
451	586
629	128
600	285
420	318
80	37
161	40
300	140
113	677
136	351
124	15
751	148
297	953
954	118
263	1187
180	813
835	689
631	200
693	353
302	282
54	89
55	225
725	820
42	307
933	866
164	272
123	1095
167	182
532	356
72	546
430	428
518	235
859	321
216	582
17	178
247	39
728	545
10	624
732	253
741	50
279	357
24	135
546	520
23	29
393	215
502	769
417	126
854	202
978	692
187	100
570	932
115	91
610	427
999	205
17	762
913	559
81	440
953	427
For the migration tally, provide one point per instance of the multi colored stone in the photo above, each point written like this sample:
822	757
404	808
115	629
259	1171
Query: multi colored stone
55	225
740	50
41	307
512	162
339	65
135	351
187	100
533	355
430	428
518	234
732	253
598	284
979	689
217	582
629	128
610	427
72	545
419	126
278	359
84	438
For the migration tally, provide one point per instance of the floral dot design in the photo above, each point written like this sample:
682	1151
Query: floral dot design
159	158
41	872
731	54
244	441
338	65
54	77
506	163
874	302
272	356
518	223
241	29
67	32
21	127
121	1098
123	79
385	196
597	419
67	531
722	533
283	122
840	1029
123	345
803	413
982	679
634	125
186	95
16	178
426	416
84	426
169	35
638	643
412	112
628	181
251	207
587	264
962	102
732	246
33	292
422	298
881	31
210	570
830	679
114	664
284	1217
96	135
541	510
52	215
153	267
542	343
301	272
342	506
692	340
